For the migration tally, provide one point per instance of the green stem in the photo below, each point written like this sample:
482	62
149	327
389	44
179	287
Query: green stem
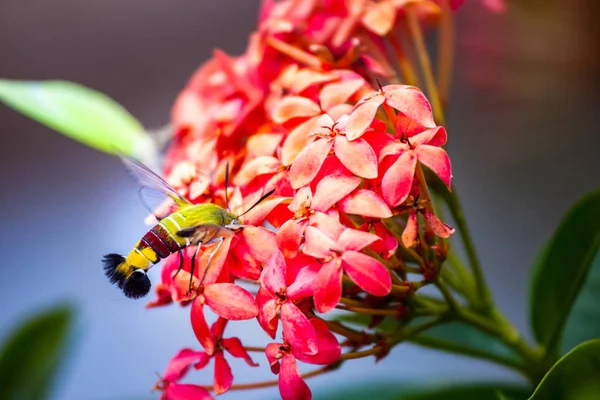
483	292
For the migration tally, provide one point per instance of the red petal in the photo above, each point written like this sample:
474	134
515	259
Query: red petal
230	301
437	160
267	317
328	288
273	353
273	275
362	116
357	155
218	327
317	243
241	263
380	18
411	102
438	227
176	391
329	348
308	162
332	189
261	242
434	137
398	179
223	377
200	327
366	203
294	107
388	246
338	92
297	330
353	239
300	137
328	223
181	363
289	236
259	213
368	273
304	283
216	265
411	231
234	346
291	385
258	166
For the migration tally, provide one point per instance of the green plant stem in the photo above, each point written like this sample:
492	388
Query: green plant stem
483	292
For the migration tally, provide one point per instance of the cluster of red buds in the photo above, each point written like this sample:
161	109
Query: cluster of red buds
313	109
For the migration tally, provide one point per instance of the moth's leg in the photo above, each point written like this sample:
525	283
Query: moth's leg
193	266
180	263
219	242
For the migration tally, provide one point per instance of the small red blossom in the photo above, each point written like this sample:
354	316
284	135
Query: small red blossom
343	255
283	356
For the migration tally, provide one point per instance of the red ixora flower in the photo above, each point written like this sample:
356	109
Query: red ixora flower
283	356
343	255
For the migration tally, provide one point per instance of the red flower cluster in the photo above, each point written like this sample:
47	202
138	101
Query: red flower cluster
302	112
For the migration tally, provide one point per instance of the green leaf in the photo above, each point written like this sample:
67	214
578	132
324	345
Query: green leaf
454	337
31	355
562	268
412	391
584	321
80	113
576	376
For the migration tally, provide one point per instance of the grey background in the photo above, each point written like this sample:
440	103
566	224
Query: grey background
523	142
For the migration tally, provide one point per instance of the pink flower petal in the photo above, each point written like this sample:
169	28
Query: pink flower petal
329	348
273	275
259	213
328	223
317	243
366	203
181	363
332	189
380	18
258	166
230	301
177	391
297	330
437	160
261	242
216	265
398	179
200	327
304	284
411	102
358	156
291	385
328	288
218	327
289	237
438	227
241	263
294	107
353	239
308	162
388	245
223	377
300	137
362	116
273	353
411	231
234	346
434	137
368	273
267	317
339	92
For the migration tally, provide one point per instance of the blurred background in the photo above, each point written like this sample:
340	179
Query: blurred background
522	138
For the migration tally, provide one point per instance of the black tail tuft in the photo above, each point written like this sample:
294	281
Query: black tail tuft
137	285
111	262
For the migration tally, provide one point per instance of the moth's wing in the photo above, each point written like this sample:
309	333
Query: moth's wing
204	233
154	191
